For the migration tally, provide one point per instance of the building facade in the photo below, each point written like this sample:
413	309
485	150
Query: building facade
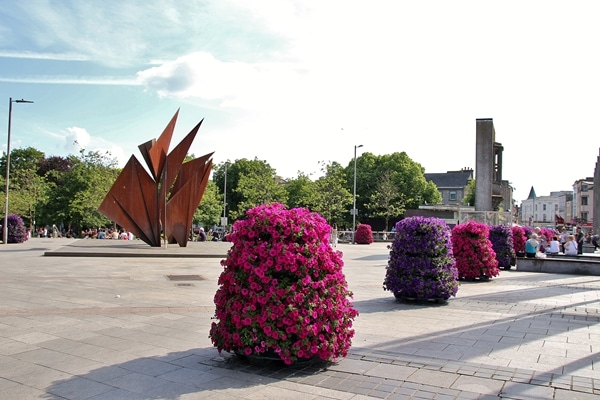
583	203
540	211
452	185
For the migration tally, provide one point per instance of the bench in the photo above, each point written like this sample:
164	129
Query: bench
561	264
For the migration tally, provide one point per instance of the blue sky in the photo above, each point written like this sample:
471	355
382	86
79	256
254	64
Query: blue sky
299	82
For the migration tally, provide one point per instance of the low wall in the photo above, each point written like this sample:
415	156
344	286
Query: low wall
561	264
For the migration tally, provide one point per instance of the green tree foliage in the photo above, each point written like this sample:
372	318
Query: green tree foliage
210	209
301	192
332	199
469	199
27	190
68	190
257	189
249	183
21	159
74	201
387	202
407	176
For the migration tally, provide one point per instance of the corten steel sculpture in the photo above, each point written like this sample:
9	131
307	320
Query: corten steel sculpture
167	197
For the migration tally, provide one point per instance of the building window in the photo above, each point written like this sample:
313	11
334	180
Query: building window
544	208
544	218
584	216
452	195
584	200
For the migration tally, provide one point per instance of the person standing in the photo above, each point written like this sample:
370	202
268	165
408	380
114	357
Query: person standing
563	238
579	236
334	235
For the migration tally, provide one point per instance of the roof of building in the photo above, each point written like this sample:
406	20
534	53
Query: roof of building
450	179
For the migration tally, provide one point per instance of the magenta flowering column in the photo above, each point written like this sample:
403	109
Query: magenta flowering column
364	234
519	239
282	293
473	251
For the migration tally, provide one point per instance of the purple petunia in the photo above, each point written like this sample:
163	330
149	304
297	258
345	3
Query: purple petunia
421	264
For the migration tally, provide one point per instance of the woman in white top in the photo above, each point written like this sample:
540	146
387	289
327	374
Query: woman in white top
571	246
553	246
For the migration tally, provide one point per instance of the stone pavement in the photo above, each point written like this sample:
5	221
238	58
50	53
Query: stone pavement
134	325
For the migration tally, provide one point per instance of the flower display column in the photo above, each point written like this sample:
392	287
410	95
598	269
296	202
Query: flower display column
282	293
475	257
519	239
16	231
364	234
421	265
501	237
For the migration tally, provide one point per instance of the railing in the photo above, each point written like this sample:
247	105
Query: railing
487	217
378	236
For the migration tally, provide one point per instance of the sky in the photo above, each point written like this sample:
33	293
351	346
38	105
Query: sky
298	83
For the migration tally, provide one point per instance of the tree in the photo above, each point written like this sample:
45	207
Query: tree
407	177
257	189
332	199
387	201
210	208
50	166
249	183
469	199
301	192
27	190
21	159
74	201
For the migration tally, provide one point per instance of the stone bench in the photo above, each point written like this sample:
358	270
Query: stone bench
561	264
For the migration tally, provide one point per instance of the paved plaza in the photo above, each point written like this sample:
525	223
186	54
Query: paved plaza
109	320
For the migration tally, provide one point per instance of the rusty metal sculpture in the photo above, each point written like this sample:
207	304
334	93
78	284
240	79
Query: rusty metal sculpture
144	203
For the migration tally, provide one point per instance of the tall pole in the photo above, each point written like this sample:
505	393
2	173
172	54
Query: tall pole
354	206
225	194
6	183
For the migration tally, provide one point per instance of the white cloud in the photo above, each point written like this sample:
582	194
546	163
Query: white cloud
76	139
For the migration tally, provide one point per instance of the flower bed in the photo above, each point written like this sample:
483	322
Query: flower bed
421	265
282	291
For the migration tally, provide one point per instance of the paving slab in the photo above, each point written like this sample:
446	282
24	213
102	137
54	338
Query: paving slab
93	319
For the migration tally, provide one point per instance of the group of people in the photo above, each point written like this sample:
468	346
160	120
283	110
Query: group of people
211	235
102	233
563	242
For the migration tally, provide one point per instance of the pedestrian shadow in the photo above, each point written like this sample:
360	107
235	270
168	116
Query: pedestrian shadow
177	374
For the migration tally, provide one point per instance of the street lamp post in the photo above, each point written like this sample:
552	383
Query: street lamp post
5	225
354	206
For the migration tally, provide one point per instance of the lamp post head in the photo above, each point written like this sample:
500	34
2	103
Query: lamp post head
22	101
